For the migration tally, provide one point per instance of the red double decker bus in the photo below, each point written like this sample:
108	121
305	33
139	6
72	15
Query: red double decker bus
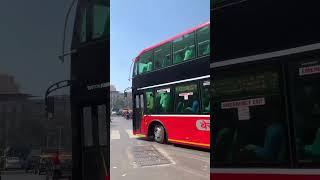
170	89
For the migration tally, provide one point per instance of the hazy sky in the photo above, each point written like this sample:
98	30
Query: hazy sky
31	37
138	24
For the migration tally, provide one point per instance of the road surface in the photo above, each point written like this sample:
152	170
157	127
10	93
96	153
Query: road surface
136	159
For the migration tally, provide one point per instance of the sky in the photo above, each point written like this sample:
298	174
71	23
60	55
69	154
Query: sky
31	36
138	24
31	41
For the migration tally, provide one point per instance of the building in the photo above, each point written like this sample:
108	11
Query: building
23	120
118	100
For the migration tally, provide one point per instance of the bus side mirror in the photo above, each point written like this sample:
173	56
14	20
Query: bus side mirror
125	94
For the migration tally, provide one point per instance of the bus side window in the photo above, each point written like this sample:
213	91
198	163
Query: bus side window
137	101
184	48
205	97
150	102
203	38
100	21
141	101
306	110
186	99
164	101
146	62
162	56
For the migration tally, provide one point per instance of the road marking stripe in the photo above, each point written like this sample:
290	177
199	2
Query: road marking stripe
115	134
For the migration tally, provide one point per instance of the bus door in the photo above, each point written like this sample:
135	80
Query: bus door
95	140
138	111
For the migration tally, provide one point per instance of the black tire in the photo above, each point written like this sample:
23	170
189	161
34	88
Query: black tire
159	134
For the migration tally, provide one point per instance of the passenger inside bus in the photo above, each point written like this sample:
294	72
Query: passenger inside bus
313	150
149	102
188	53
187	105
274	140
164	102
145	67
194	108
307	118
225	138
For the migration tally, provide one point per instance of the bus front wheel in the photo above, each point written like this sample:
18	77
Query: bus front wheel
159	134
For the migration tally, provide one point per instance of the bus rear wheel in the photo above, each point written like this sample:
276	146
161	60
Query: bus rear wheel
159	134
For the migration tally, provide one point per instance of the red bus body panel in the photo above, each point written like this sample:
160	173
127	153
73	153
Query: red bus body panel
191	130
218	176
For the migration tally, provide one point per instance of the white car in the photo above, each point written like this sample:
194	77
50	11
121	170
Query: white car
12	163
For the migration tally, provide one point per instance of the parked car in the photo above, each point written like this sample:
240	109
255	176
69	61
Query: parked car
12	163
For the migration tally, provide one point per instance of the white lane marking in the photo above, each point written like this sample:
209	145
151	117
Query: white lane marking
115	134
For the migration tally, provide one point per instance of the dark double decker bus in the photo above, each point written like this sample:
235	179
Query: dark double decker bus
265	90
170	89
90	91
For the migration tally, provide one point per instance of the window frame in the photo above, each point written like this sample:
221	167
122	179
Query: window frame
170	43
104	35
175	96
183	38
153	108
155	101
152	60
197	41
291	65
201	96
225	71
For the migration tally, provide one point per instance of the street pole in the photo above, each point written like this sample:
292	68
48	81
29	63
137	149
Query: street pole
60	138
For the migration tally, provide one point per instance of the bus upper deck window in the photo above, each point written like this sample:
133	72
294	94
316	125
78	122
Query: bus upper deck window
84	23
203	41
162	56
146	62
184	48
100	21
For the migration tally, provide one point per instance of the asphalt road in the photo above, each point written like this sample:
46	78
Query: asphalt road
137	159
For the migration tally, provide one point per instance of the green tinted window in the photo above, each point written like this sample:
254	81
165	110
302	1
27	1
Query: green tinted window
205	97
150	102
187	99
203	37
183	48
100	21
145	62
164	101
162	56
305	88
83	32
